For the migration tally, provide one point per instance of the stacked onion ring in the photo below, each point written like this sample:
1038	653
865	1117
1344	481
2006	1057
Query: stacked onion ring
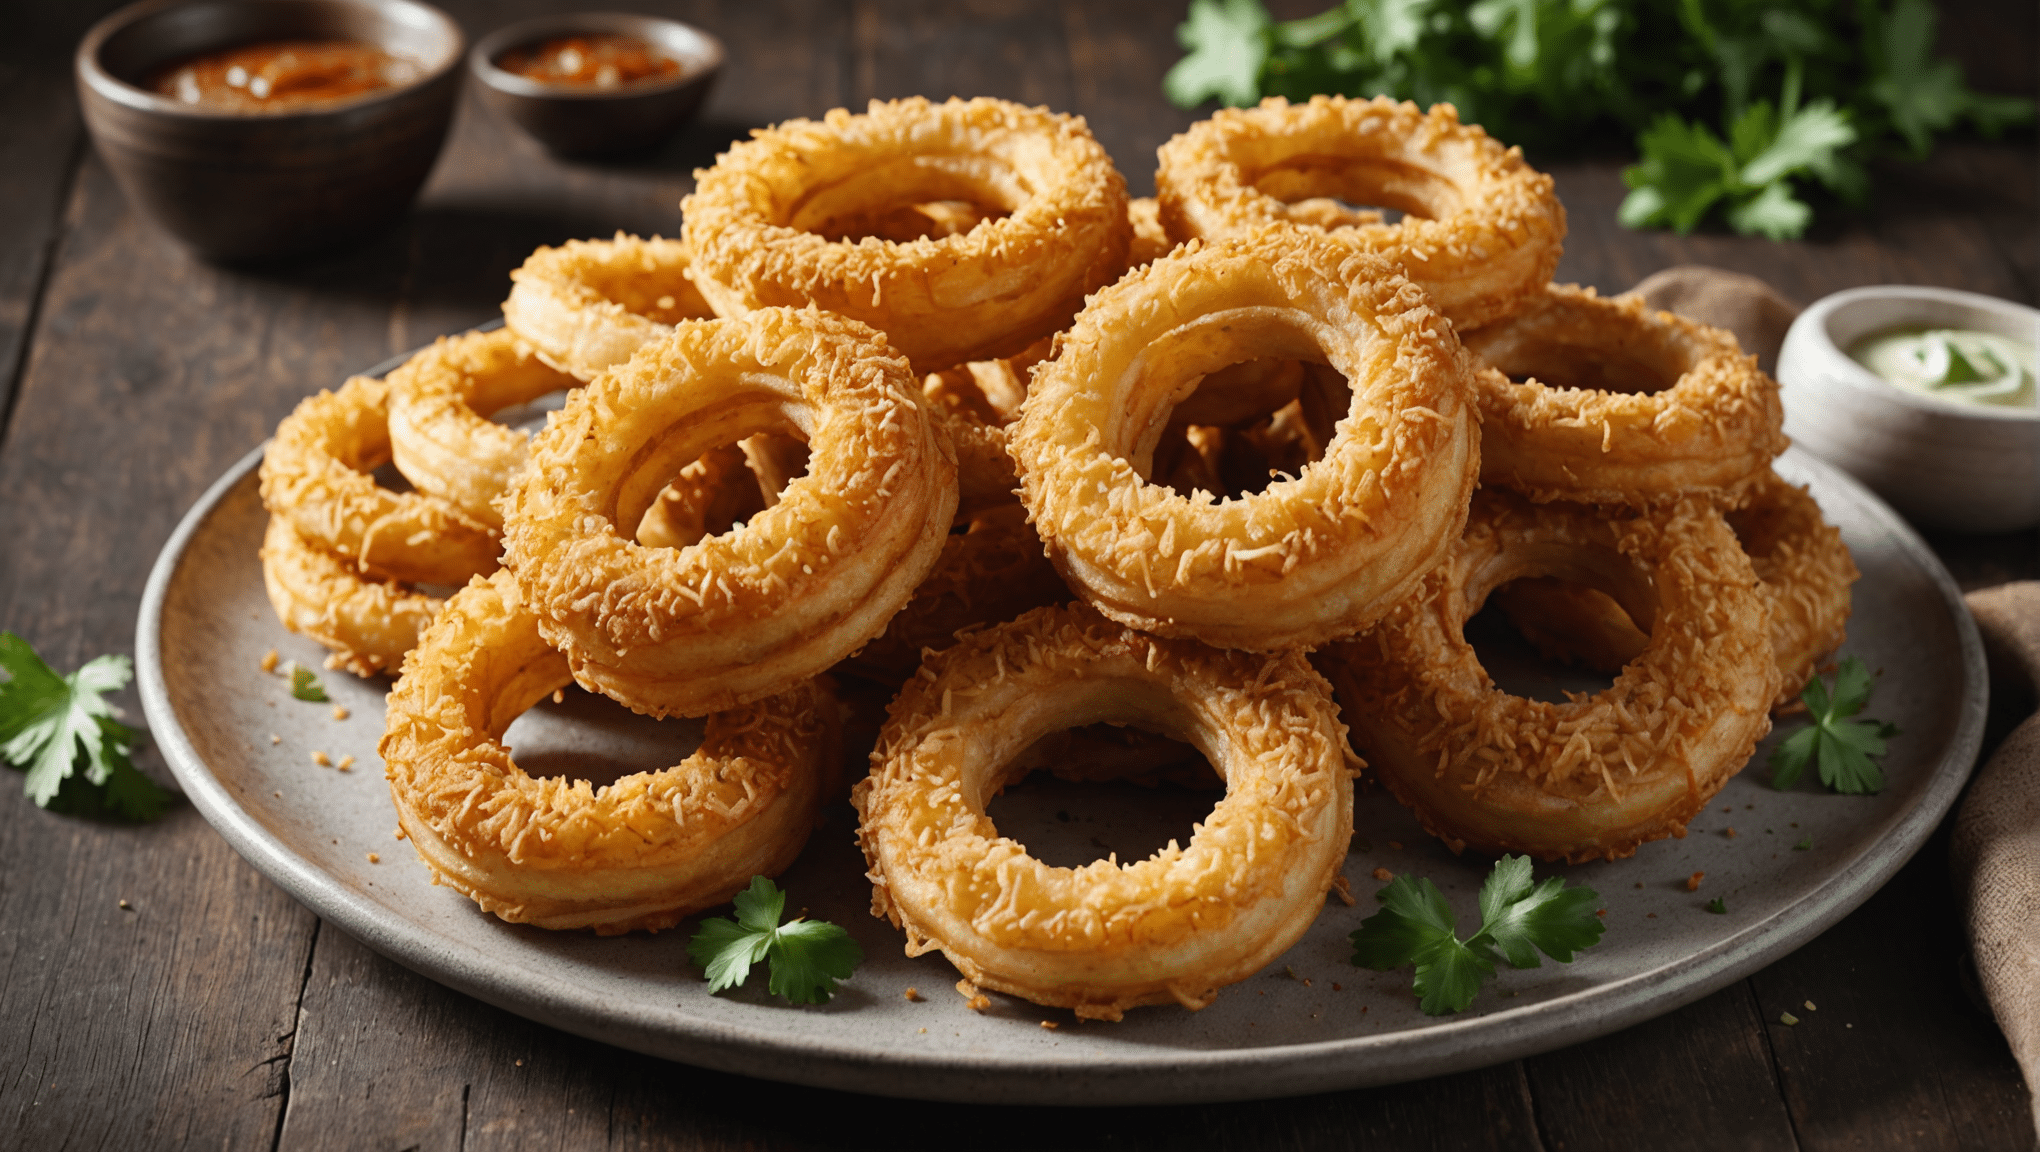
341	551
1482	230
777	221
1105	937
641	852
742	615
1595	776
1313	557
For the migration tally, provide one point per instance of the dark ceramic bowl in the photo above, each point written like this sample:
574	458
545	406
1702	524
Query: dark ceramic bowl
261	187
575	121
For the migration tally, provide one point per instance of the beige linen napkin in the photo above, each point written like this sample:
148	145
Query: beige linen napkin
1744	305
1995	856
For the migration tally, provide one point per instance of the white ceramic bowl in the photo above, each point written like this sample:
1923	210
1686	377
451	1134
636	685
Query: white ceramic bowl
1943	463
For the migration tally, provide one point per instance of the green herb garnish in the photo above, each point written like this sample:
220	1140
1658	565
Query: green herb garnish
807	957
1416	926
1717	906
1737	109
1842	748
61	729
305	685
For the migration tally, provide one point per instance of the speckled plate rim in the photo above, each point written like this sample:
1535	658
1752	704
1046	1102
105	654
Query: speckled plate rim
1151	1076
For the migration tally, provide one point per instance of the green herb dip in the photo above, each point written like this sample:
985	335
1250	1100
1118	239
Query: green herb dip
1952	364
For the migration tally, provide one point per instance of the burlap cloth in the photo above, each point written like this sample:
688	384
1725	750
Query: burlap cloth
1995	856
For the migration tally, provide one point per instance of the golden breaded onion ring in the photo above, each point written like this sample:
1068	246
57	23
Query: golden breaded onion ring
439	403
588	304
316	475
1308	559
1619	403
1596	776
1483	229
1800	559
1108	936
1806	570
977	401
759	224
991	571
1150	240
755	610
641	852
366	625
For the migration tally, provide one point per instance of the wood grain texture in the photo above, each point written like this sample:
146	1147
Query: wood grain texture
219	1013
1898	1050
1612	1092
38	154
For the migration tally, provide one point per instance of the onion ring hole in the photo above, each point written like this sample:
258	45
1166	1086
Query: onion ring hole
587	736
1243	425
1636	369
1104	791
912	198
1547	639
722	489
1344	192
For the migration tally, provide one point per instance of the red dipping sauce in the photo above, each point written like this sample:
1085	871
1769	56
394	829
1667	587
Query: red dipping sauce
589	62
283	76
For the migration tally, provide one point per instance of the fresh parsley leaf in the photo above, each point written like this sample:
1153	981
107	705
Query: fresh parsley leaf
1522	920
807	957
1519	918
1853	80
1921	95
1228	44
1685	169
60	728
1843	749
1718	906
304	685
1803	844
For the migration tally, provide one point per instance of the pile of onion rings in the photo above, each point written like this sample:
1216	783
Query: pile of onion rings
915	379
1481	232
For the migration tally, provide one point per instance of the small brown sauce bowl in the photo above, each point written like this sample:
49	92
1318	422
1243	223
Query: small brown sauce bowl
248	188
580	121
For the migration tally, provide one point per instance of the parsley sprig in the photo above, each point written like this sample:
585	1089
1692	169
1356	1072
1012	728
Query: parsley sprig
1691	82
62	731
1844	749
807	957
1519	918
304	684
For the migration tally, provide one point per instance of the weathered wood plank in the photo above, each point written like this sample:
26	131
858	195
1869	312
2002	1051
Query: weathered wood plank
39	150
387	1059
1698	1078
1894	1054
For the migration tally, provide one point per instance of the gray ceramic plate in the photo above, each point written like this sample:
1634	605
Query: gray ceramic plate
241	747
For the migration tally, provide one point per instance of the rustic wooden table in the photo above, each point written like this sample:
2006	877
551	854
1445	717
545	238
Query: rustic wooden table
212	1010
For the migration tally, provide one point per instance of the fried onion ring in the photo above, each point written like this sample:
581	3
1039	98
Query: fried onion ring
559	853
1106	937
991	571
1308	559
760	222
439	403
1806	572
367	625
1150	240
1619	402
316	475
755	610
589	304
1596	776
977	401
1483	229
